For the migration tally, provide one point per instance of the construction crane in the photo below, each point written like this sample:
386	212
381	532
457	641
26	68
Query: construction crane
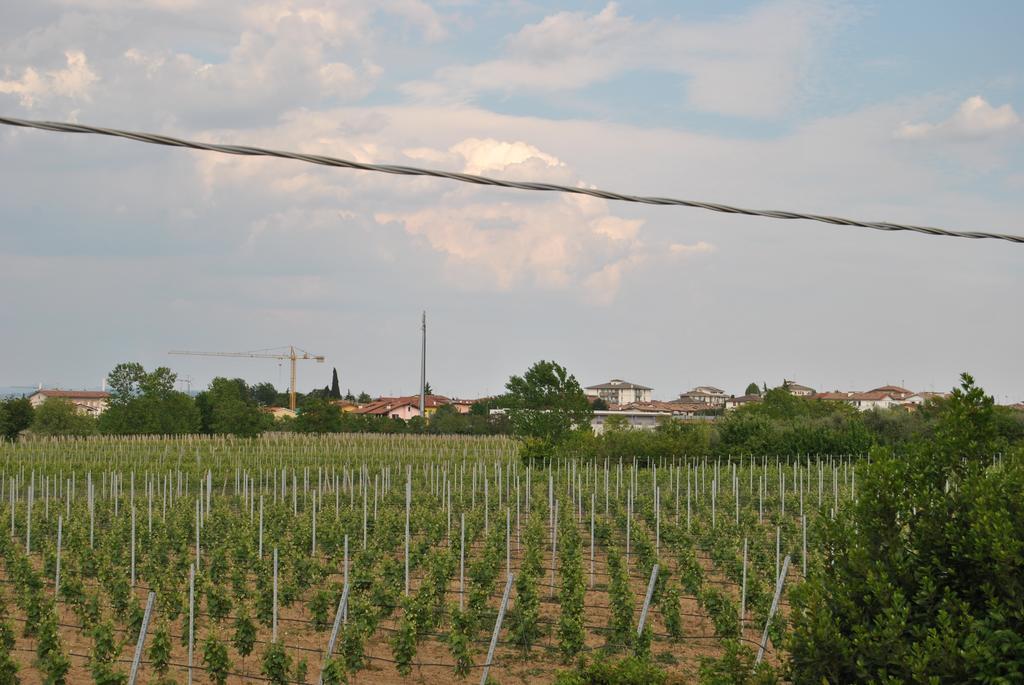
293	354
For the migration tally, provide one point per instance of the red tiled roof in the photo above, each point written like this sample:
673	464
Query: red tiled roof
386	405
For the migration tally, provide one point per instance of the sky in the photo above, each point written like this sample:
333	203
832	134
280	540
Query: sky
909	112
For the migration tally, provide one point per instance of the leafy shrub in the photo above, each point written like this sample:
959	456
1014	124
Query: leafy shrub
628	671
921	580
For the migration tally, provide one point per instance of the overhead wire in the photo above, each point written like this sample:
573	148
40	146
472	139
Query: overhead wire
476	179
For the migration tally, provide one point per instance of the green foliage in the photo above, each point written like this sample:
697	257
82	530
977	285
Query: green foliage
669	604
160	649
146	403
318	415
59	417
921	581
752	389
320	605
227	407
215	658
335	386
546	403
403	646
459	642
16	414
628	671
276	664
334	672
735	667
264	394
786	425
50	657
8	666
244	638
301	670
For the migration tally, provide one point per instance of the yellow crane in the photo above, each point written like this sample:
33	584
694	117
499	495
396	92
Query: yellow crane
293	354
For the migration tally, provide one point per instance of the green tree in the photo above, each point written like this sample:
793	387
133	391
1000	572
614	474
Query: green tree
920	581
752	389
16	414
227	408
335	387
57	416
264	394
427	390
319	415
546	403
124	382
144	402
364	398
615	423
448	420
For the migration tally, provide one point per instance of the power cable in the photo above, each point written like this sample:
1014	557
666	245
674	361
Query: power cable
250	151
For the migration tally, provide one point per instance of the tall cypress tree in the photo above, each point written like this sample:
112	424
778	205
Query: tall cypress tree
335	388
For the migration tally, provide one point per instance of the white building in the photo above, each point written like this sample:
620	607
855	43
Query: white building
705	394
618	391
742	400
92	402
643	420
795	388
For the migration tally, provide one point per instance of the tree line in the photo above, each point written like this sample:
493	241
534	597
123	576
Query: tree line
546	407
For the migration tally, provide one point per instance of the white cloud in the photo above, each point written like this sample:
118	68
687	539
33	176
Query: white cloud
73	82
683	249
487	155
974	119
747	65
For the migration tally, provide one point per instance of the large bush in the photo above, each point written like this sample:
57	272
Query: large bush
922	579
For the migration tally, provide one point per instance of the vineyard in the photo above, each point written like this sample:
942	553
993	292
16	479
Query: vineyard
375	559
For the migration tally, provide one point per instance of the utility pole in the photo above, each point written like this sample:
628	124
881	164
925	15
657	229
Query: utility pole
423	370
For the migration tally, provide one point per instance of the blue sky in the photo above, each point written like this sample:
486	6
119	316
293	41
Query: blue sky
911	111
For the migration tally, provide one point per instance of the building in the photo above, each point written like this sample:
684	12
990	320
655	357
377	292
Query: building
635	418
705	394
403	408
919	398
894	391
279	412
345	405
885	397
91	402
798	390
737	402
676	409
618	391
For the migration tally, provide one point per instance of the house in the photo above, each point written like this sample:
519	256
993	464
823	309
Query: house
865	401
91	402
617	391
463	406
345	405
798	390
403	408
919	398
279	412
635	418
894	391
705	394
737	402
680	410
